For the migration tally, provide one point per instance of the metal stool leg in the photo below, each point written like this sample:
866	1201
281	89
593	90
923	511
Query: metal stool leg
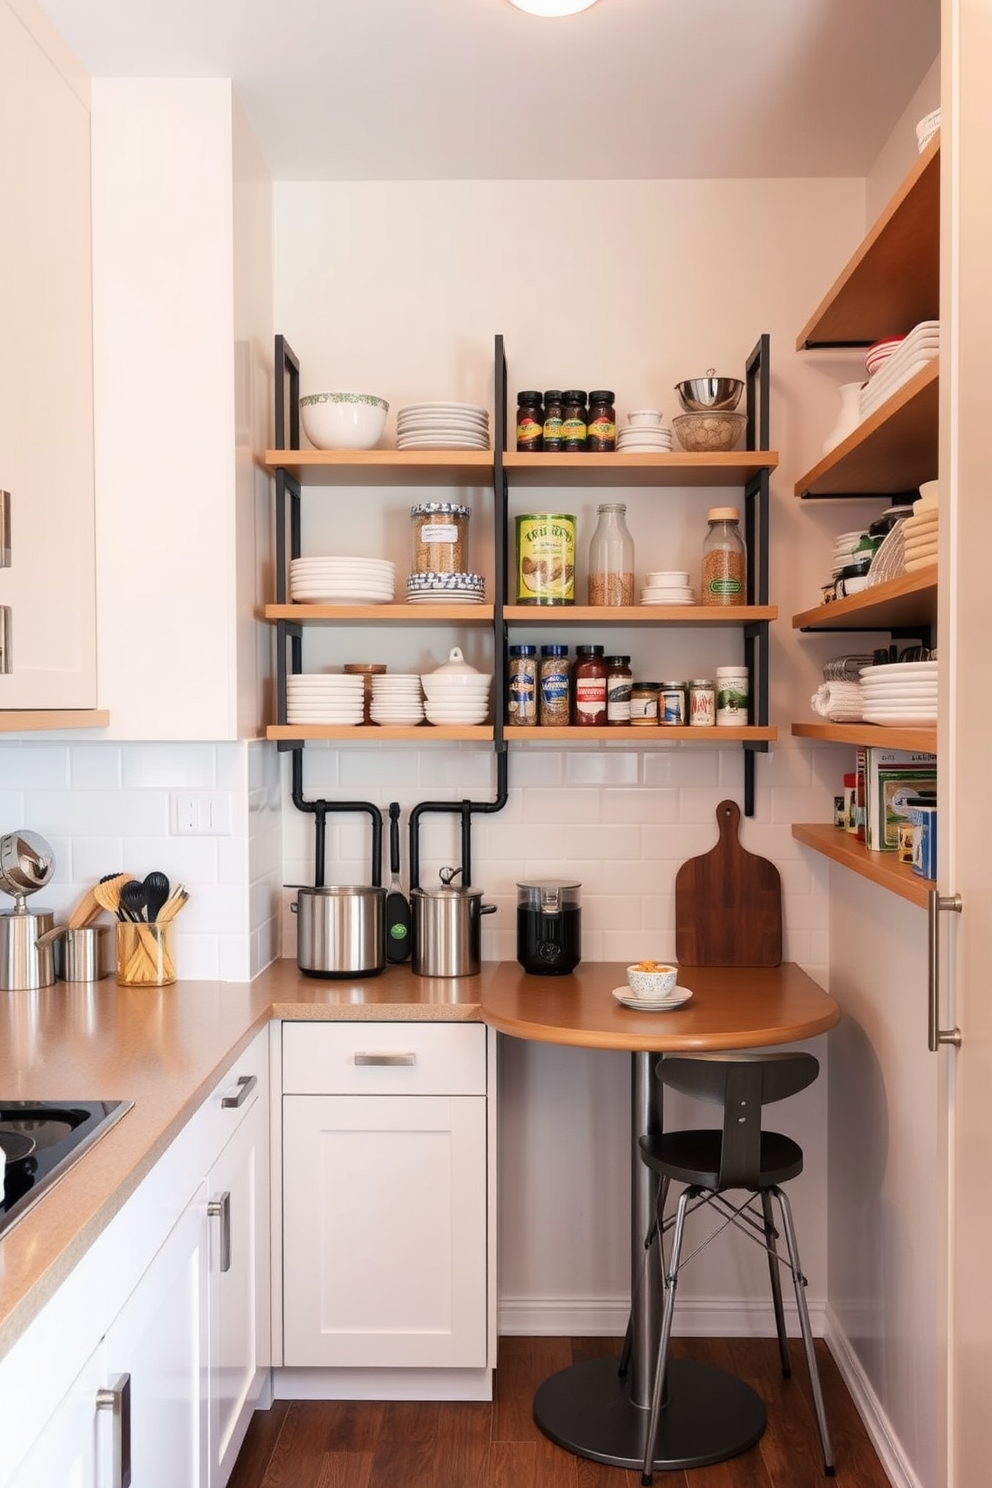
814	1373
774	1273
661	1366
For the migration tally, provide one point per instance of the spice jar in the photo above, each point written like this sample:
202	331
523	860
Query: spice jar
724	577
530	421
589	687
522	685
574	429
671	703
702	702
644	703
554	418
619	678
553	700
602	429
440	532
611	558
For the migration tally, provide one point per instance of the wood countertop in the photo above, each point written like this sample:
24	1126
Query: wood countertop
165	1049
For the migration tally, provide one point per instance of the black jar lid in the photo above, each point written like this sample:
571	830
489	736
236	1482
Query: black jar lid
603	396
553	395
528	397
618	661
575	395
589	650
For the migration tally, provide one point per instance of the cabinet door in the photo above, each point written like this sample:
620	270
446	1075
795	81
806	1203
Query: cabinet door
46	380
67	1452
159	1339
384	1230
237	1189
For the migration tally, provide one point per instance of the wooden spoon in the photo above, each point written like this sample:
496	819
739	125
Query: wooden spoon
108	893
85	910
173	904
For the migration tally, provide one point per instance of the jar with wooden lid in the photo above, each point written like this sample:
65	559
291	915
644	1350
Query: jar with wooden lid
724	567
440	537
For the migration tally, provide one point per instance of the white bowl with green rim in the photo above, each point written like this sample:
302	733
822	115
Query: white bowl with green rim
343	421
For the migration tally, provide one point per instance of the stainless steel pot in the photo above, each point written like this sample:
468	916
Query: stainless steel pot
447	929
341	930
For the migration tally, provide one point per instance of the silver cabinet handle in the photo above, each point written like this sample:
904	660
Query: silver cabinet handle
6	626
221	1209
4	529
117	1399
386	1058
246	1084
936	902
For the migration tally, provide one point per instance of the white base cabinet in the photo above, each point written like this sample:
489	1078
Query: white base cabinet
387	1249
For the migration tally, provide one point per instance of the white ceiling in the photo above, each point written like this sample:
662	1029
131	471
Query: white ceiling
450	89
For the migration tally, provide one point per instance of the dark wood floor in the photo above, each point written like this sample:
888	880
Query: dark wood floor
450	1444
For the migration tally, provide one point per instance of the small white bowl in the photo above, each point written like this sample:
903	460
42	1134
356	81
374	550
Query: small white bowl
668	579
645	418
653	985
343	420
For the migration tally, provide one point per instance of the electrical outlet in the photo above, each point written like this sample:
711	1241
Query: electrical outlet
201	814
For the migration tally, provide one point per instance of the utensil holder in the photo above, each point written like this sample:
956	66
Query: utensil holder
145	954
84	954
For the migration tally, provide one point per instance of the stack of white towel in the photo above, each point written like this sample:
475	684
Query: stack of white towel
919	532
839	702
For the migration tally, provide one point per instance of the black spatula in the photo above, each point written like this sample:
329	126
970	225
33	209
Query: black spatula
397	905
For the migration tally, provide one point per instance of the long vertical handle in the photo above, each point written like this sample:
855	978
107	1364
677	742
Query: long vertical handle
936	902
221	1209
117	1399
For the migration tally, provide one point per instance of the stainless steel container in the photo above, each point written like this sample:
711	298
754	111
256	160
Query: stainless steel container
447	931
85	954
341	930
25	965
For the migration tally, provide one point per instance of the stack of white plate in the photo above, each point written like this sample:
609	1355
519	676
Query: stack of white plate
445	588
901	694
341	580
669	586
456	697
844	547
442	426
914	351
320	697
644	439
396	699
667	1004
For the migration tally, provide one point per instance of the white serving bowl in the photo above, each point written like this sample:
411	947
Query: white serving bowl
342	420
653	985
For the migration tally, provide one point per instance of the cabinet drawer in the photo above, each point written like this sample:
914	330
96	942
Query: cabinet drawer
384	1058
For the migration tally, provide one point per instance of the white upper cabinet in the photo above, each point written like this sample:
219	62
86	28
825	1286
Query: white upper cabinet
46	371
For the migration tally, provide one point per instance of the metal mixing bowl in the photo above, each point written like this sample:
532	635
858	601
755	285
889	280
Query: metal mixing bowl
710	394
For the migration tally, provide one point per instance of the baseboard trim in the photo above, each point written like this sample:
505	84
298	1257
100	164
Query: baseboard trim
606	1317
382	1384
885	1441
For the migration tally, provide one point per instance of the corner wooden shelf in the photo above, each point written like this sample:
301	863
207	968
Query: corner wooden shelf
892	282
890	452
680	468
881	868
42	720
872	734
910	599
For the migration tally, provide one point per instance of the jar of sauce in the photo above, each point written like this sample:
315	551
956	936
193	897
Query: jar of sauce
554	418
644	703
602	429
574	429
589	687
530	421
619	678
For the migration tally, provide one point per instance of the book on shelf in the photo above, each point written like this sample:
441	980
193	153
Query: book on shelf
892	776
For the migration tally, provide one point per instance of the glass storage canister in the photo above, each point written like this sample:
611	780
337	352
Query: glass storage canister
644	703
553	700
554	418
530	421
732	696
611	558
440	537
671	703
549	927
724	567
702	702
601	434
545	558
522	685
589	687
619	679
575	424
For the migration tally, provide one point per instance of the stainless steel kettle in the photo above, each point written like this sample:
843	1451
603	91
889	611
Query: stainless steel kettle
27	862
447	930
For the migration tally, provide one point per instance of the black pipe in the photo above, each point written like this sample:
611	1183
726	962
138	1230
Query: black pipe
464	809
321	810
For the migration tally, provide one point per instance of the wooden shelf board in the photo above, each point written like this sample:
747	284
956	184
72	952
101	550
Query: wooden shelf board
638	734
680	468
404	614
890	452
38	720
910	599
421	733
892	281
881	868
639	614
385	467
869	733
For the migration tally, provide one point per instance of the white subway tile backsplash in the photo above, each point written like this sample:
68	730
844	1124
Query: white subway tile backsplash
540	805
602	842
96	767
682	767
535	765
645	806
27	767
602	767
169	766
376	764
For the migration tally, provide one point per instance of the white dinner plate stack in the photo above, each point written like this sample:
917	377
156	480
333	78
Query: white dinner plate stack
667	587
914	351
325	697
396	699
901	694
843	553
442	426
341	580
652	1004
644	439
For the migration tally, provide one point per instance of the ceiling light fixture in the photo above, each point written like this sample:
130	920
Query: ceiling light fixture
552	7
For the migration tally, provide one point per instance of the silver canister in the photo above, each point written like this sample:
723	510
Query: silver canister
447	931
25	965
341	930
85	954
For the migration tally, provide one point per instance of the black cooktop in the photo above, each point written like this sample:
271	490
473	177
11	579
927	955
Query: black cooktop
42	1140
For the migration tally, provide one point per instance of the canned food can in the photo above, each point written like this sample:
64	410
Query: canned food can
546	558
671	703
732	688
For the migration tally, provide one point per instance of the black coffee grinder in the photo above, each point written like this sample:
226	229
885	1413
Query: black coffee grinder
549	928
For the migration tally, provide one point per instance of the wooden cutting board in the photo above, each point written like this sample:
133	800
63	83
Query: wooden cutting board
728	903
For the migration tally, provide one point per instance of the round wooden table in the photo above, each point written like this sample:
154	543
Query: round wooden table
589	1408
